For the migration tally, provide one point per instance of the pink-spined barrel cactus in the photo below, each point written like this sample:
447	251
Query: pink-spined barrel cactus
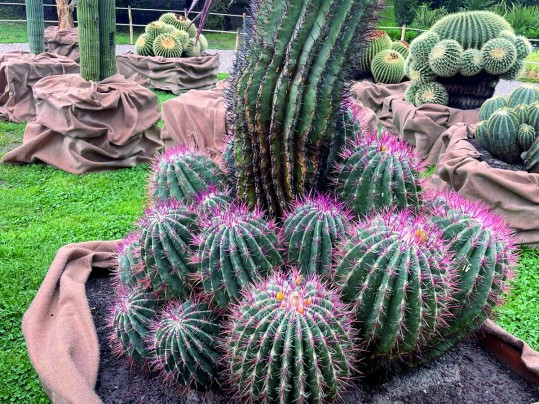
311	230
182	172
167	231
290	340
184	344
212	200
396	271
128	271
130	318
378	172
235	248
484	256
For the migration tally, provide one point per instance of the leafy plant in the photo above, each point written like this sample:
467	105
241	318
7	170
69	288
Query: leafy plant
426	17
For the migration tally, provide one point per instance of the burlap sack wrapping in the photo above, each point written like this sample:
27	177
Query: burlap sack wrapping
19	72
197	119
420	126
61	337
63	42
172	74
90	126
513	194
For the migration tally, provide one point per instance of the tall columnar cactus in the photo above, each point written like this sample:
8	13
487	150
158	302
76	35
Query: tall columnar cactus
97	28
290	340
234	249
183	344
167	232
35	26
182	172
130	319
397	273
286	93
377	172
484	255
311	231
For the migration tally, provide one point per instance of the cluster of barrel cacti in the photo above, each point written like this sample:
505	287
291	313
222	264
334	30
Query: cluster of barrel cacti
172	36
509	127
383	58
459	61
327	252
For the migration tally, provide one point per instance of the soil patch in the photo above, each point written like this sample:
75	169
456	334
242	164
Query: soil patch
466	374
493	161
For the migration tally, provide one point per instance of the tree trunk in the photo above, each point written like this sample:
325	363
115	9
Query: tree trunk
65	14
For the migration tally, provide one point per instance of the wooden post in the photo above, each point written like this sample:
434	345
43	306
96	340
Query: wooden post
185	12
403	31
130	15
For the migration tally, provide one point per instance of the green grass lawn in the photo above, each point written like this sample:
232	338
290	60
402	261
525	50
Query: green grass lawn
44	209
16	33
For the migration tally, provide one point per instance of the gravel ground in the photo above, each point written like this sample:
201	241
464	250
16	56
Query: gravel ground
226	57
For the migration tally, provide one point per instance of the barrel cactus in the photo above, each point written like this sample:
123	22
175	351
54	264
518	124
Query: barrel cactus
472	62
376	42
193	48
501	139
396	272
203	43
533	116
167	46
523	113
183	344
420	72
234	249
311	231
182	172
378	172
484	255
286	94
430	93
492	105
525	94
154	29
421	46
143	46
167	232
526	136
388	67
445	58
129	269
212	201
498	56
130	319
172	19
290	340
402	47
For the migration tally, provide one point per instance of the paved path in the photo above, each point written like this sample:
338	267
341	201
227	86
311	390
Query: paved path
226	57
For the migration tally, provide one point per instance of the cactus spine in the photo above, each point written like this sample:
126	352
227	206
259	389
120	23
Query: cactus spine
377	173
311	231
183	344
35	26
290	341
283	123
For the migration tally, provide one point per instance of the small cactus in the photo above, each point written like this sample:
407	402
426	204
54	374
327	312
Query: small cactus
143	46
523	113
410	93
130	318
388	67
167	46
421	46
396	271
472	63
533	116
526	136
129	270
431	93
183	344
498	56
234	249
420	72
514	72
492	105
193	48
377	172
500	139
154	29
203	43
310	232
445	59
523	46
376	42
172	19
290	340
402	47
212	201
525	94
182	172
166	236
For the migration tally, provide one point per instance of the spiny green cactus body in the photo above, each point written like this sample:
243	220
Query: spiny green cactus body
167	46
526	136
183	37
154	29
525	94
531	158
130	320
445	58
523	46
290	341
420	72
533	116
182	172
377	173
129	267
377	41
311	231
143	46
484	255
421	46
169	29
203	43
388	67
472	29
472	63
410	93
501	135
397	273
193	48
287	94
523	112
431	93
498	55
402	47
514	72
35	26
211	201
167	232
235	248
492	105
184	345
481	130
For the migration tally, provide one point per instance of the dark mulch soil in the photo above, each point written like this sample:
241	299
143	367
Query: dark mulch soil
493	161
466	375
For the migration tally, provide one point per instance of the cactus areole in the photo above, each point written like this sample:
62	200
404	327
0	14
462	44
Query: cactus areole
286	90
